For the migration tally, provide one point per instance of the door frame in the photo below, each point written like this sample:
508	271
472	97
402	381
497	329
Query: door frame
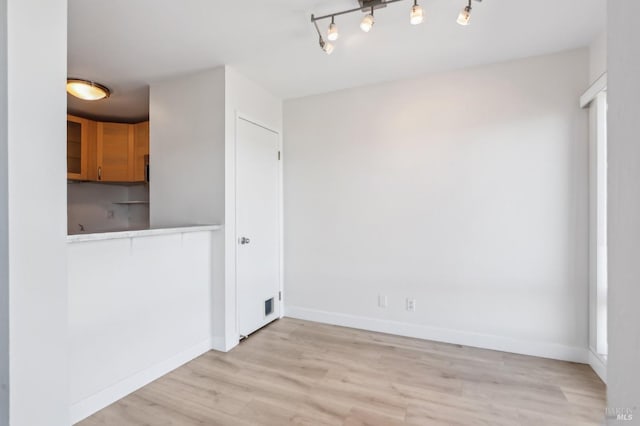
242	116
594	100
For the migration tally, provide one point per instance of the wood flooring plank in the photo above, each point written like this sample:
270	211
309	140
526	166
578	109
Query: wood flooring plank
360	417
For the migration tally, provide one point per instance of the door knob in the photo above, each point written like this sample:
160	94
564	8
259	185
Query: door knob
244	240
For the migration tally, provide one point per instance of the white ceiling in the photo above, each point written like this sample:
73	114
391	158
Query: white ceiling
127	44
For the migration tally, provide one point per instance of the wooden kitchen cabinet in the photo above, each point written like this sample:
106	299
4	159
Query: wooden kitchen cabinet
106	152
92	151
140	151
77	147
115	152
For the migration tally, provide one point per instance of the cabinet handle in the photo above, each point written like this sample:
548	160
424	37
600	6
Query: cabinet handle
99	173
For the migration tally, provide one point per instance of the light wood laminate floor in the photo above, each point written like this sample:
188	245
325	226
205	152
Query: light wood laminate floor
304	373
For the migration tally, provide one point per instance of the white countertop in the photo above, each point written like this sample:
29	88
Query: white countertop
140	233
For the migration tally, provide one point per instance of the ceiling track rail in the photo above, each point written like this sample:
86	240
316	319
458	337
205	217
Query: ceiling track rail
364	8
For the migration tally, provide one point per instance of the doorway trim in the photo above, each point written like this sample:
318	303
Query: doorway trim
594	100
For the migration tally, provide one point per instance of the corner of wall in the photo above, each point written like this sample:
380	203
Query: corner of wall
38	297
598	365
4	255
598	57
623	227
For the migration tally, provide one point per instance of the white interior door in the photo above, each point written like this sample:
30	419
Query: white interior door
257	226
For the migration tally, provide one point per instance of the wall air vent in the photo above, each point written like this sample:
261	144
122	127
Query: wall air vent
268	307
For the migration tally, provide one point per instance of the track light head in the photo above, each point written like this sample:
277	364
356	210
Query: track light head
332	33
326	47
465	15
367	22
417	14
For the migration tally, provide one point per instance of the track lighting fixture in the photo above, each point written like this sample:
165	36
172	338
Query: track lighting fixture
368	6
417	16
332	33
465	15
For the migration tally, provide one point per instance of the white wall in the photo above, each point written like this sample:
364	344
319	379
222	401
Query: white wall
245	97
465	190
193	166
623	372
4	243
138	214
89	204
138	308
187	132
598	57
186	115
37	69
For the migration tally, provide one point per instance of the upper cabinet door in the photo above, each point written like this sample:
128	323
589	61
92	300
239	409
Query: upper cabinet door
115	152
77	147
140	150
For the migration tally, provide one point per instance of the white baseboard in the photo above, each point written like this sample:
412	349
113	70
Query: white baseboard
88	406
222	344
485	341
598	365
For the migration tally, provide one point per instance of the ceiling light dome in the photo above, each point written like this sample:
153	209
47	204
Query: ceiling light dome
87	90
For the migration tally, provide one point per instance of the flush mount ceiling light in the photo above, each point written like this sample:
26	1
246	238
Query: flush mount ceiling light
87	90
416	17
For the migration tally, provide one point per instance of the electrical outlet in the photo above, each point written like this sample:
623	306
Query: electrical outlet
382	301
411	305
